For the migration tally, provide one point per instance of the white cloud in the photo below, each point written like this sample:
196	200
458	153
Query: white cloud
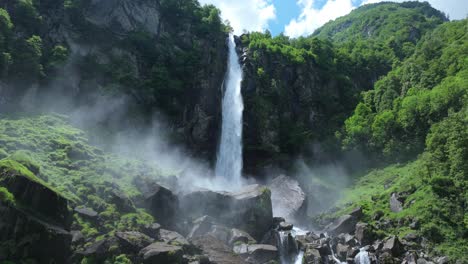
250	15
310	18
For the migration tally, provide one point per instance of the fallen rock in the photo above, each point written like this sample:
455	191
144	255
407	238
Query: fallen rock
249	209
342	251
237	236
394	246
357	213
152	230
133	241
344	224
122	201
312	255
364	233
215	250
86	213
161	203
77	236
442	260
160	252
284	226
395	205
261	253
410	258
288	197
173	238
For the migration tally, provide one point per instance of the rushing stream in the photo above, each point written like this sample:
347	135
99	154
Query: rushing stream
229	161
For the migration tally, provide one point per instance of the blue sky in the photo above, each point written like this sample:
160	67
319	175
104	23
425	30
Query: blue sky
301	17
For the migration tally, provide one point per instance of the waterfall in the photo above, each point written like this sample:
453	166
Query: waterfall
287	246
362	257
229	160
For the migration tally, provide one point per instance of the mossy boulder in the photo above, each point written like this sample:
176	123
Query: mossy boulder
33	195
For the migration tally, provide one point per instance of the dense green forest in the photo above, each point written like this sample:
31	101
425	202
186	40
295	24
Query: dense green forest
388	83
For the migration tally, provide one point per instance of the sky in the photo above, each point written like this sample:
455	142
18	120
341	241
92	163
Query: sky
301	17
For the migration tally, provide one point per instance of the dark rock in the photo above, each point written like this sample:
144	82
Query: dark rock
364	233
377	215
86	213
121	201
77	237
277	220
249	209
215	250
237	235
357	213
414	224
350	240
412	237
410	258
152	230
133	241
394	246
344	224
395	205
201	226
288	197
312	255
261	253
387	258
161	202
45	203
270	238
352	252
173	238
284	226
342	251
160	252
378	245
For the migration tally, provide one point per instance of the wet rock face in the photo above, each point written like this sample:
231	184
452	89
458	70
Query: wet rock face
248	209
288	198
125	16
344	224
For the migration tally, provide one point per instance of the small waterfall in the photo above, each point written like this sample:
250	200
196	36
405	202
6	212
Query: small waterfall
362	257
288	249
229	160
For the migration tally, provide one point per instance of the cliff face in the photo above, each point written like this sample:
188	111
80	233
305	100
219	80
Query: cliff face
163	57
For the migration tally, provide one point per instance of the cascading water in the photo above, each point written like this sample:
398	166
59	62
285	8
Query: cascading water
362	257
229	160
288	249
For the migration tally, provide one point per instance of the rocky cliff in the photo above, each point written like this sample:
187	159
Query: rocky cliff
161	57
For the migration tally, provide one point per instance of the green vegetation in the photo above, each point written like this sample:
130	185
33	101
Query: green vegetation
62	159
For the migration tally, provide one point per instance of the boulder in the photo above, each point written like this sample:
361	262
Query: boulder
29	191
161	202
393	246
342	251
237	236
77	236
364	233
410	258
160	252
39	228
152	230
173	238
344	224
261	253
132	241
284	226
357	213
395	205
215	250
207	225
248	209
86	213
312	255
122	201
288	198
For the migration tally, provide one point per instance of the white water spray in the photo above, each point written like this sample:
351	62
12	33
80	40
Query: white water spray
229	160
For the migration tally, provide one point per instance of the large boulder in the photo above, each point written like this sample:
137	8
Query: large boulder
161	202
344	224
261	253
36	226
249	209
364	233
160	252
288	199
132	241
395	204
216	251
393	246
